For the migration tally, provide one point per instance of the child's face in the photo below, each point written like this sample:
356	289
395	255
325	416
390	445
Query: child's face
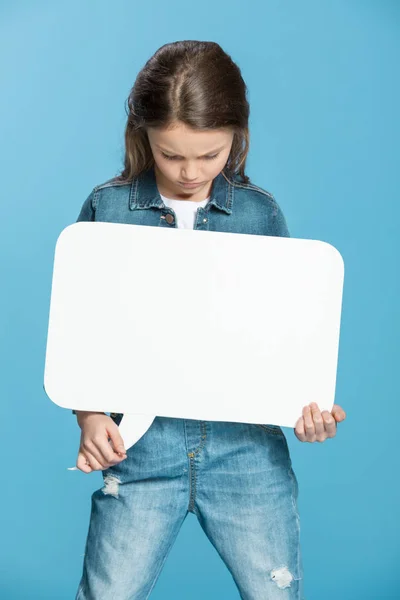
189	150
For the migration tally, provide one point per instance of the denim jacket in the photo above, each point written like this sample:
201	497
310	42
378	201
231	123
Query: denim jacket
234	206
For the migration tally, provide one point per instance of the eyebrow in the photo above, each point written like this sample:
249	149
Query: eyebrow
173	154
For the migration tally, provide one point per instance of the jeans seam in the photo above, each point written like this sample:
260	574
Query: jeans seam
192	466
192	484
270	429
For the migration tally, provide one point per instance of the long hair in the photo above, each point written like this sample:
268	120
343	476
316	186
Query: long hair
193	82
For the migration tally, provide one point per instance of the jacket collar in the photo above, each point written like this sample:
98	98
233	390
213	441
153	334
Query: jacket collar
144	192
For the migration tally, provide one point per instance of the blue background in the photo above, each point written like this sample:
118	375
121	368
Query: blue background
324	92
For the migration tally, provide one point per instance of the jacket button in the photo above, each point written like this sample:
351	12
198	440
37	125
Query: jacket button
169	218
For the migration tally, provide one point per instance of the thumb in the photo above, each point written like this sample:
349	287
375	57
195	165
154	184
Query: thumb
116	440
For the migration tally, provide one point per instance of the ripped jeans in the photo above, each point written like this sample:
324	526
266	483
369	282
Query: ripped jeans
237	479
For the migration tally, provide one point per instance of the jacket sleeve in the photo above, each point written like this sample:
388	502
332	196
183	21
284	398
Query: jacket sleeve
87	213
88	210
279	225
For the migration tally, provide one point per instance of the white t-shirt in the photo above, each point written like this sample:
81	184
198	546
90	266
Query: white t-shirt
185	210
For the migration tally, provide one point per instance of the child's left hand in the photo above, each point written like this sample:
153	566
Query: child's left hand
315	426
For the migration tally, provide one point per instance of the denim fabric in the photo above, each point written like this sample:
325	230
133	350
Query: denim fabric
233	206
237	478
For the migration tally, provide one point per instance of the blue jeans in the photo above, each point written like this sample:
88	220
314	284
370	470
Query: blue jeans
237	478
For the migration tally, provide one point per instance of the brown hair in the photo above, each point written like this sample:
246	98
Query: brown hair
190	81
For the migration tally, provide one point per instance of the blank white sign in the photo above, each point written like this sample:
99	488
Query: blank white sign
193	324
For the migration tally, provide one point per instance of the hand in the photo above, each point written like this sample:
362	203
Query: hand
315	426
96	452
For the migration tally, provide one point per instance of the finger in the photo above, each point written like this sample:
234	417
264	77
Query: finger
330	423
81	463
299	430
101	449
94	463
338	413
308	424
318	422
91	450
117	456
105	451
116	439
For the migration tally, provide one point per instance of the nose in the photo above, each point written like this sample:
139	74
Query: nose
189	175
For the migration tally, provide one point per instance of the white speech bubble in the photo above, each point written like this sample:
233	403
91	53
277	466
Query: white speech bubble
192	324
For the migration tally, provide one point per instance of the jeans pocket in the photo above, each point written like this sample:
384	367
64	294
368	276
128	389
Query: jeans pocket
273	429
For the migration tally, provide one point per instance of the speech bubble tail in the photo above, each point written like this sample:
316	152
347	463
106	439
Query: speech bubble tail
133	426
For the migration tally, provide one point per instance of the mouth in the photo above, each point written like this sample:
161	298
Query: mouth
190	185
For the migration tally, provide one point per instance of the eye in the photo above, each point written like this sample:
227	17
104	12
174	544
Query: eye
176	158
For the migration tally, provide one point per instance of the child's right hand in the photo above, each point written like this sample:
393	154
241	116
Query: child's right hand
96	452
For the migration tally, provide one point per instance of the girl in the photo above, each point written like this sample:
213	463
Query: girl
186	141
